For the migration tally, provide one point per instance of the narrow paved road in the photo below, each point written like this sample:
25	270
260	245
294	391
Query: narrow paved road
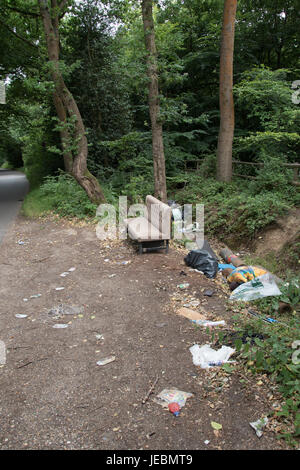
13	188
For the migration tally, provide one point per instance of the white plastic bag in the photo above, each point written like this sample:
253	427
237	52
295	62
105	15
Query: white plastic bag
262	286
207	357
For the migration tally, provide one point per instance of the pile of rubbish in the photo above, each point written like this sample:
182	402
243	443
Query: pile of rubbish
247	282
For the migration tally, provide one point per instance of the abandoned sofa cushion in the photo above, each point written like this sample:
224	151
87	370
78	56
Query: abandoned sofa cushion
140	229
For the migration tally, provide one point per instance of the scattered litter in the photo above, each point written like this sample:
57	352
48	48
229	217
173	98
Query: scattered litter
21	315
62	309
71	310
195	227
185	285
64	274
206	442
177	214
60	325
268	320
209	292
174	408
259	425
208	323
25	300
243	274
207	357
225	266
203	261
182	273
262	286
190	314
98	336
111	275
59	288
216	426
193	303
106	260
106	360
172	396
20	242
35	296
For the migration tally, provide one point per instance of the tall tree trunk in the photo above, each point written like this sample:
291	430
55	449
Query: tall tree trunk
160	186
66	107
224	152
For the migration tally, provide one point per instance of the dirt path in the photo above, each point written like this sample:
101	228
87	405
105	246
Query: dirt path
55	396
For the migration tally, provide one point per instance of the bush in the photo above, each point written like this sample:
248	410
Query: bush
10	153
277	357
233	209
64	196
39	162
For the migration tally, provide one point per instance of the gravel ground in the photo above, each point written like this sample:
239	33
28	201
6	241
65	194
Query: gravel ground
53	393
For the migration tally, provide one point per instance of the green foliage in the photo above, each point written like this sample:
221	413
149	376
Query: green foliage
290	295
264	106
37	162
35	205
274	356
37	143
262	96
103	61
64	196
282	145
235	209
91	60
10	153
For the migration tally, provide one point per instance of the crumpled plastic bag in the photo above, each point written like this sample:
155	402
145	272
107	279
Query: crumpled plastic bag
203	261
207	357
262	286
172	395
259	425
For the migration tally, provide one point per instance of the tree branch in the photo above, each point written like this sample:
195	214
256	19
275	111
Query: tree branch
62	5
28	13
17	35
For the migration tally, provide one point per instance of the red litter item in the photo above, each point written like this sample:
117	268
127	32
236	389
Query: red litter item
174	408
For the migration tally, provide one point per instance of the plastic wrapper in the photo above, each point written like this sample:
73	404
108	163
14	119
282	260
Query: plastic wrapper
262	286
207	357
172	395
259	425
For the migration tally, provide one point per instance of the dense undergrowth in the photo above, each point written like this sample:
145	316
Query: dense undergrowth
272	349
236	211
